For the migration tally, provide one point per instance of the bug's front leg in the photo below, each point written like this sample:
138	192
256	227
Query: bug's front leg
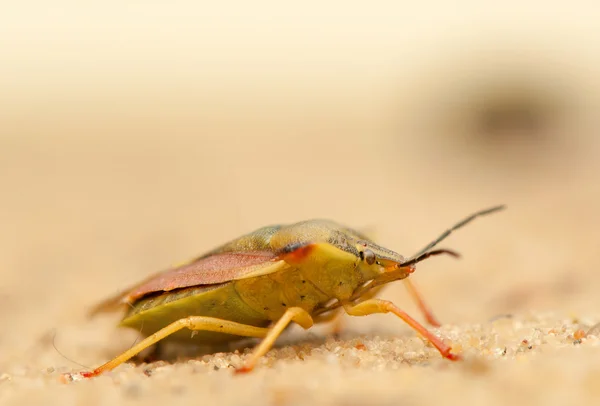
334	314
295	314
373	306
371	289
418	298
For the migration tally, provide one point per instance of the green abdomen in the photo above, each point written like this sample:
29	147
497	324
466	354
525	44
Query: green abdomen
254	301
152	313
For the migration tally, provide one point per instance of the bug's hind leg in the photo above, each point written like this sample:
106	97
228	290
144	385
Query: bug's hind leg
418	298
295	314
192	323
156	352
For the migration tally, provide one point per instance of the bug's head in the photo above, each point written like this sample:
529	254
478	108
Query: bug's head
377	262
384	266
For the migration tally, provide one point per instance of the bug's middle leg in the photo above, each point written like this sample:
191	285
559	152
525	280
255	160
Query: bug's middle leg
192	323
334	317
296	314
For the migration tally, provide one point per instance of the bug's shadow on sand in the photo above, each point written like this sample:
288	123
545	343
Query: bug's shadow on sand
292	345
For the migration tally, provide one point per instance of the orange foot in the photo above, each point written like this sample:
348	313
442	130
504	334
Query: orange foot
243	370
69	377
453	357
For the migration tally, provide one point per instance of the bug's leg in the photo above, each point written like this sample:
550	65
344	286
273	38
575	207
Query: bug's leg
334	317
296	314
192	323
153	355
337	323
371	293
330	316
326	317
414	292
373	306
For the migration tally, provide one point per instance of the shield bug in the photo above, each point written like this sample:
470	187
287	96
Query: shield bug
256	285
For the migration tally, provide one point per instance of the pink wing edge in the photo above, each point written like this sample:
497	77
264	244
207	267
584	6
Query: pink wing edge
209	270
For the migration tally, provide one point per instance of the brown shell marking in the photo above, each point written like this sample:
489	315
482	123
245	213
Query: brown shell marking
209	270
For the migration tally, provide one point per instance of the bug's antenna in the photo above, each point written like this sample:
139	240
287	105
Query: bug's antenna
429	254
425	253
63	355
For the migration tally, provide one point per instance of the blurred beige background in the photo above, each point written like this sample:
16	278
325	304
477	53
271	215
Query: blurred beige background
137	135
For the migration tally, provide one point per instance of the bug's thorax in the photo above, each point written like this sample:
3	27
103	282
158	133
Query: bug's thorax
322	274
342	275
336	259
325	261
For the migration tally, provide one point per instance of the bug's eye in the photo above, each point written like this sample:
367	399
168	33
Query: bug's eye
368	256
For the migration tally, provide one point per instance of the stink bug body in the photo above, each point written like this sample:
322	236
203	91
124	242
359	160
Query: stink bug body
256	285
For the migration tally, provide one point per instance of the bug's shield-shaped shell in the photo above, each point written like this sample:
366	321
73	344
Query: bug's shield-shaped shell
267	250
245	257
214	269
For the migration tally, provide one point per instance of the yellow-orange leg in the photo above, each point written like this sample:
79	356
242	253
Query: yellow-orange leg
330	316
333	317
373	306
192	323
431	319
337	324
295	314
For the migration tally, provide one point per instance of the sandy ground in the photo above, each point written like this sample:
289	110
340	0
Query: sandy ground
116	167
